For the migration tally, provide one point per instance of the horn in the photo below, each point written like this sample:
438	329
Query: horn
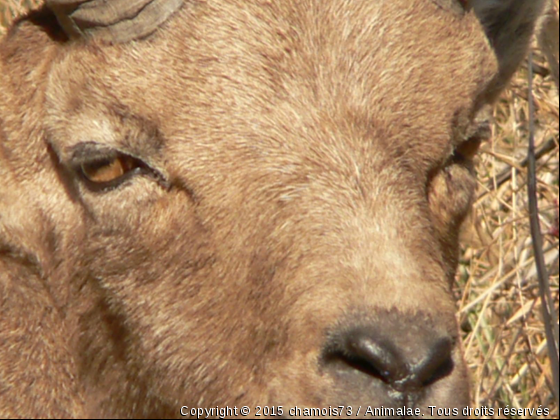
112	20
457	6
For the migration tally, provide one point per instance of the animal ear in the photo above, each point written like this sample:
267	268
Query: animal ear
509	25
112	21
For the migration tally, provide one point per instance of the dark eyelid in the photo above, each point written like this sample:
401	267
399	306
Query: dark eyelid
90	151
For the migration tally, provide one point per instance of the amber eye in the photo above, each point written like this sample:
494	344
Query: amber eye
102	169
108	172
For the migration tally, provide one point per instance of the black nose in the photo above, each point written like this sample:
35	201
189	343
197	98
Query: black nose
408	358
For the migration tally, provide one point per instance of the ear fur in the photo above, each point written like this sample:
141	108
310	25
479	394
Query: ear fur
509	25
549	29
37	371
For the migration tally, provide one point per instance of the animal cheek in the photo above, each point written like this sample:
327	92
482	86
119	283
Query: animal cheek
450	194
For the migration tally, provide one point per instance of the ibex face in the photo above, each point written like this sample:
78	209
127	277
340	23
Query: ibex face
246	202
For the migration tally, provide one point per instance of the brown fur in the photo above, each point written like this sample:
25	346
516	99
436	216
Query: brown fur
304	184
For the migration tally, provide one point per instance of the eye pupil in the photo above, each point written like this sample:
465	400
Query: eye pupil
107	170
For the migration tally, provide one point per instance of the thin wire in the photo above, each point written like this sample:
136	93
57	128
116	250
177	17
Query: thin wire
549	313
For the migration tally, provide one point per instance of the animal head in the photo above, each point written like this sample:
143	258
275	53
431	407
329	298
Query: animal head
213	203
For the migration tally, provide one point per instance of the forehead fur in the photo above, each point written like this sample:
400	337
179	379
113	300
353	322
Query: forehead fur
248	68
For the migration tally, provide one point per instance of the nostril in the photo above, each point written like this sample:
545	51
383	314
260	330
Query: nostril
359	352
358	363
436	365
377	359
351	362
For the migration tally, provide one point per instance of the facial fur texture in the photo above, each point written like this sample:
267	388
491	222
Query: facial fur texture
303	174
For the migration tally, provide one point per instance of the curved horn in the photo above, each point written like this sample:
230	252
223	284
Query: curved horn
112	20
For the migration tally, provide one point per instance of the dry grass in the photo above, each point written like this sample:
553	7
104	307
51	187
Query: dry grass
497	284
497	287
